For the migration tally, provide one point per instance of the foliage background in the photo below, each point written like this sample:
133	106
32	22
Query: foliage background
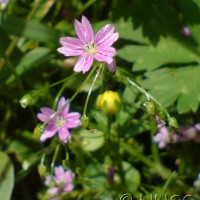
152	50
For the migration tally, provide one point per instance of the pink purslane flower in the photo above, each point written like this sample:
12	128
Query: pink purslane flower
60	121
89	46
60	182
163	137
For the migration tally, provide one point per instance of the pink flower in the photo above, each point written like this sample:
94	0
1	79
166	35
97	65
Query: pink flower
60	182
59	122
64	178
89	46
163	137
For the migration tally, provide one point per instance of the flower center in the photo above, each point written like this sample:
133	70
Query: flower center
60	121
90	48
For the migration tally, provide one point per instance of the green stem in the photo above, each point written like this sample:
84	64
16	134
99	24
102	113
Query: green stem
89	93
149	97
71	99
63	80
58	95
86	80
54	157
86	5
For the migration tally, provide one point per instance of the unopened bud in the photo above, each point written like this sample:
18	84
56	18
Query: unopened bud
173	122
38	131
109	102
150	107
27	100
84	121
42	170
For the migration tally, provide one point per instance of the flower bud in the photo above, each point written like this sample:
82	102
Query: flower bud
173	122
42	170
109	102
27	100
38	131
150	107
84	121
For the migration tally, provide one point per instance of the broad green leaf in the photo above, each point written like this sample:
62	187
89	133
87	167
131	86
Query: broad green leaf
170	85
6	177
29	29
90	140
30	60
95	177
132	177
126	31
149	57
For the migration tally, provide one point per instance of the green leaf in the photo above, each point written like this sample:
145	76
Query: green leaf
132	177
6	177
126	31
90	140
29	29
170	85
149	57
30	60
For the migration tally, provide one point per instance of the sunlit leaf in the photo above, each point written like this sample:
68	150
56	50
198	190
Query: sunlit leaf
170	85
148	57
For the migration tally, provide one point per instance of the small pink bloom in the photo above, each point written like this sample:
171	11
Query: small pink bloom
59	123
185	31
60	182
163	137
90	47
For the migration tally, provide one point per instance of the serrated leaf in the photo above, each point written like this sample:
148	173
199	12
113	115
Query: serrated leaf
31	59
170	85
6	177
149	57
126	31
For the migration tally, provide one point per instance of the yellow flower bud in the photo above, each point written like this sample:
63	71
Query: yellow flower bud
109	102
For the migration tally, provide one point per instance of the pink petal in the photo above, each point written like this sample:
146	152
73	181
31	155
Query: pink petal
71	42
88	28
68	188
106	36
73	120
53	191
109	41
69	51
112	66
84	30
47	134
71	46
50	126
62	104
69	176
46	113
84	63
107	51
64	134
59	171
103	58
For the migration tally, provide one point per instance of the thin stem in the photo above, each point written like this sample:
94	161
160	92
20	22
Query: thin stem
58	95
89	93
70	100
149	97
63	80
54	157
86	80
